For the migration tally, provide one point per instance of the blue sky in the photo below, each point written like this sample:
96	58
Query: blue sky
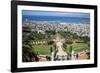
48	13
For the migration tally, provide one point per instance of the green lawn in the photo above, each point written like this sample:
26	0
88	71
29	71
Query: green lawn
77	47
42	49
45	49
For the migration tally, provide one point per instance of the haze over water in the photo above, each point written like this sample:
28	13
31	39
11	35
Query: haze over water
67	17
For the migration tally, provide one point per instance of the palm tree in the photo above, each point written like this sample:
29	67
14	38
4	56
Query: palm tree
28	55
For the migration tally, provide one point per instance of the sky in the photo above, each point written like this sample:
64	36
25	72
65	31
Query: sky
59	14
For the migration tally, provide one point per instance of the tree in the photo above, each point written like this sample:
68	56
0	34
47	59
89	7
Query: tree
70	49
69	53
65	47
85	39
28	55
50	42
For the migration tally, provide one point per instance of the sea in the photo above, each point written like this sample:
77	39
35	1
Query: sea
74	20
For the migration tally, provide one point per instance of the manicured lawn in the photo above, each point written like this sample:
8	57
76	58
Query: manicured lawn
45	49
77	47
42	49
